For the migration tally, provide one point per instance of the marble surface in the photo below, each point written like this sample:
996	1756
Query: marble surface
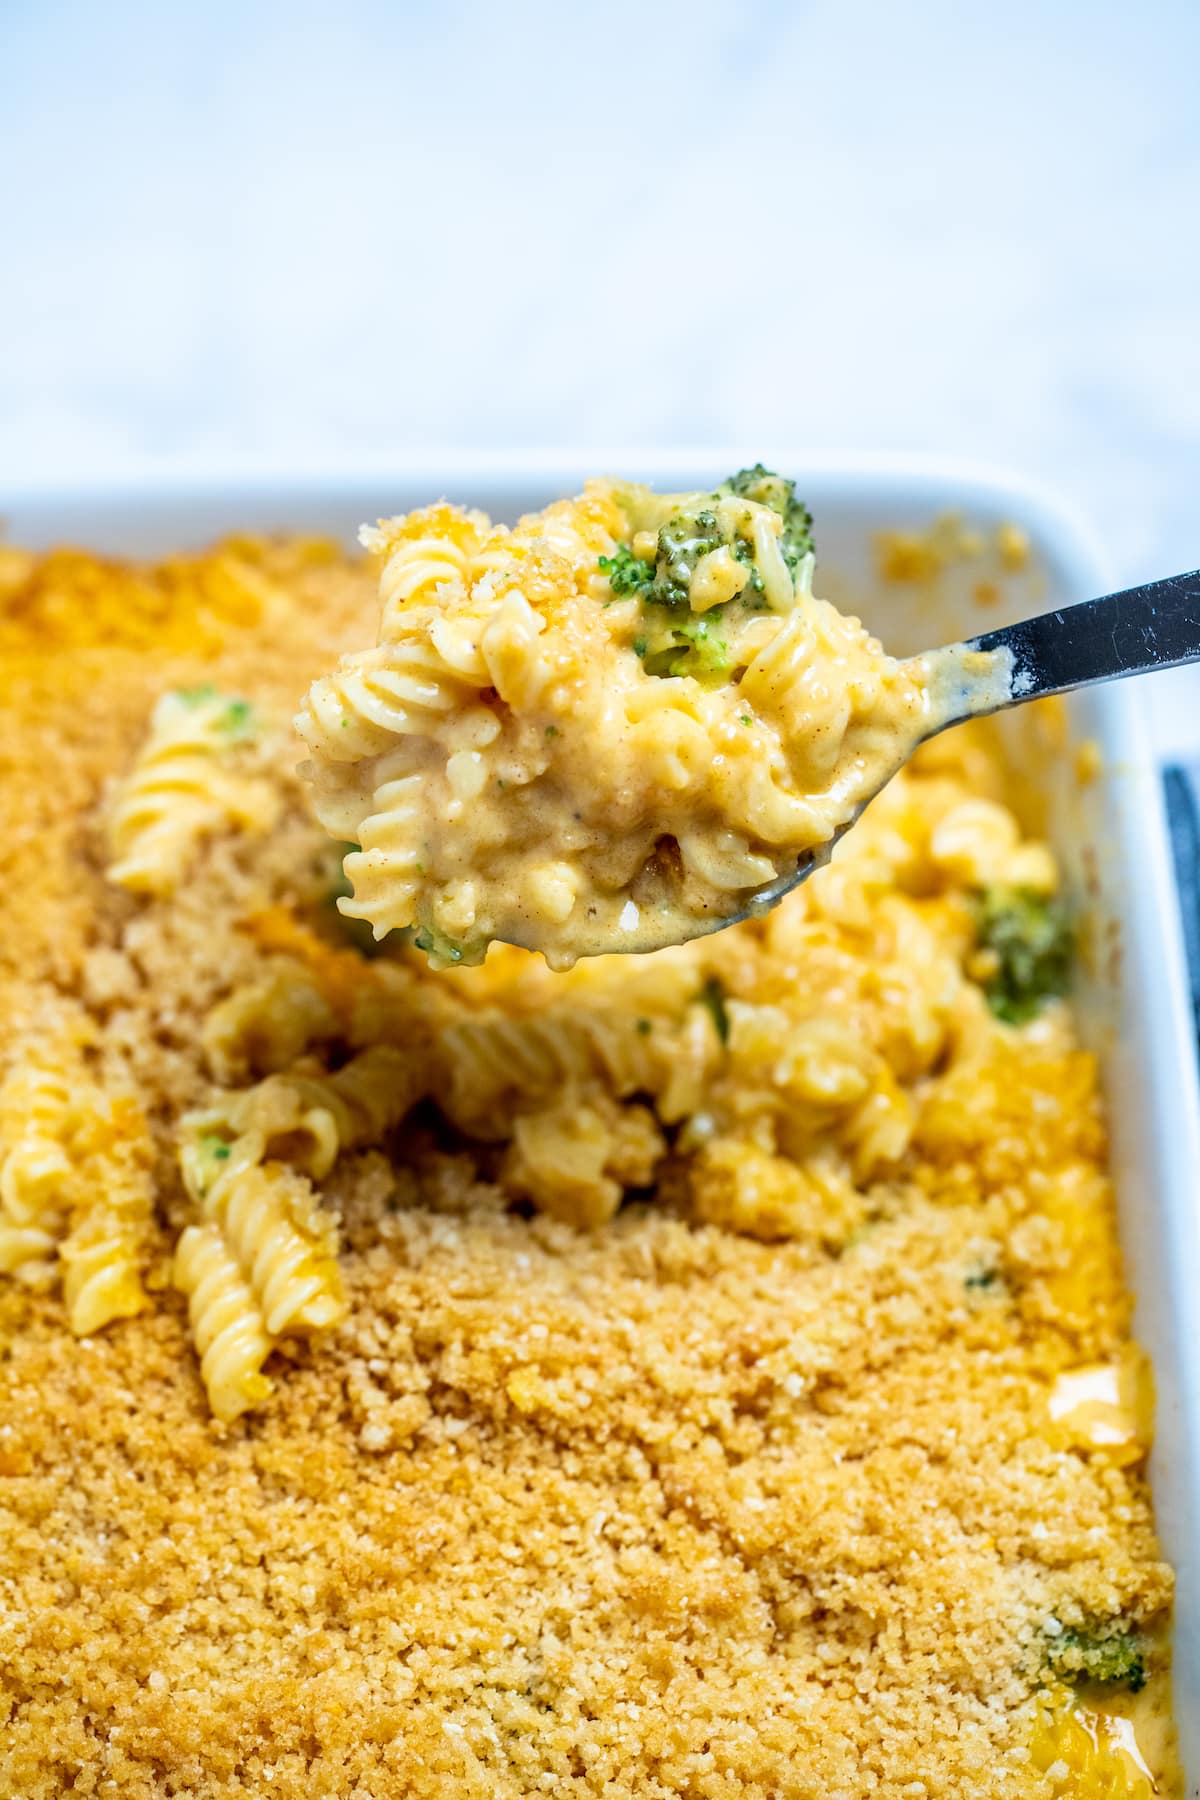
307	234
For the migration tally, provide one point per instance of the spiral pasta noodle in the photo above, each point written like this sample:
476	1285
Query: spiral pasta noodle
75	1191
367	1096
37	1111
266	1266
413	569
386	870
29	1252
102	1278
306	1117
184	785
105	1252
264	1025
576	1159
226	1322
399	690
284	1245
492	1065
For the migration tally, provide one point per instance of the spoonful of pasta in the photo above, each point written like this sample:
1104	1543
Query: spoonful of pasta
628	721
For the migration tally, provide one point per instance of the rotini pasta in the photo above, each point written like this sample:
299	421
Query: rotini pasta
40	1103
493	1061
75	1198
386	870
185	783
493	1065
248	1161
106	1251
29	1252
285	1246
102	1271
227	1324
305	1117
264	1025
576	1159
265	1266
37	1112
644	682
437	549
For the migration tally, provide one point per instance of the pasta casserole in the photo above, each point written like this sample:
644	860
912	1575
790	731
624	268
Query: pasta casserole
703	1373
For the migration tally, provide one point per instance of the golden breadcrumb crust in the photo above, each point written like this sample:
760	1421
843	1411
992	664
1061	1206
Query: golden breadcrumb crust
656	1510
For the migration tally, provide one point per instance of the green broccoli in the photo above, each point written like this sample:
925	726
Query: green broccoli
627	573
761	485
675	642
1033	940
682	542
691	645
777	492
666	581
1102	1656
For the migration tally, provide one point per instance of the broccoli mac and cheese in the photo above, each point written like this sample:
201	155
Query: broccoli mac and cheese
606	729
705	1373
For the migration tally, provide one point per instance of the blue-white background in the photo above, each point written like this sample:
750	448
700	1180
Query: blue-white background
301	233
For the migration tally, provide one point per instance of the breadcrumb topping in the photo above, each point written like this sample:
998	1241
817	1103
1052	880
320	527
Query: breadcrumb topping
758	1488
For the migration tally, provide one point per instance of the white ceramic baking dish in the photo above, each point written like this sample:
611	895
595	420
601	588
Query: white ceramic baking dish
1134	1004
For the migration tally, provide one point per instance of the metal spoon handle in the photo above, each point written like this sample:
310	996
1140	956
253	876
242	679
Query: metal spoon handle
1152	627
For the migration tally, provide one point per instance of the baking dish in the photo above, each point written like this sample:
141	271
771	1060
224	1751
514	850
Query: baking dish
1133	997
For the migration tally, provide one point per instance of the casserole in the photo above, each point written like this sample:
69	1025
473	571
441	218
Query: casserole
1133	999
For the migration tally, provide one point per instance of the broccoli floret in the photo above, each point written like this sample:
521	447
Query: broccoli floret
761	485
627	573
691	645
673	641
666	581
682	541
1103	1656
777	492
1033	940
751	594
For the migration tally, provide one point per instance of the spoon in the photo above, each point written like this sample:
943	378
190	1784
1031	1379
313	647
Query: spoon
1141	629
